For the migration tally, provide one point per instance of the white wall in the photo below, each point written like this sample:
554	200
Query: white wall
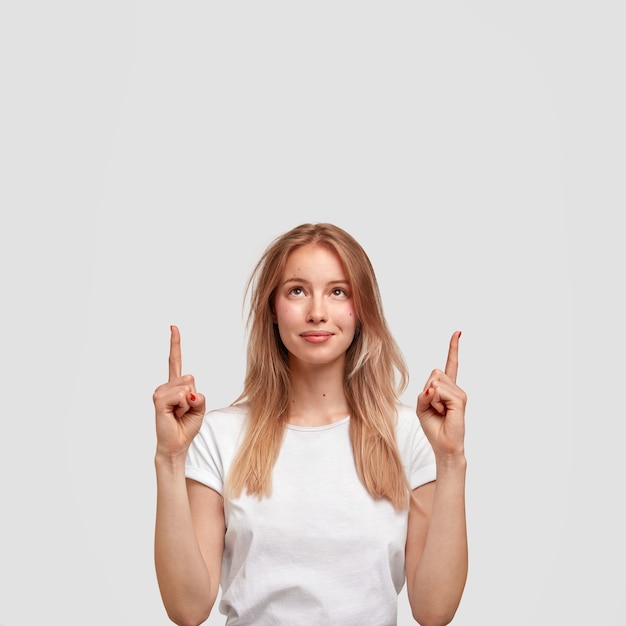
150	150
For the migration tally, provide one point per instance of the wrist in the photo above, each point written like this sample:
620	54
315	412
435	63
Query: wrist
451	462
164	459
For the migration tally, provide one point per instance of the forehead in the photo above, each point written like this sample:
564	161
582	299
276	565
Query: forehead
314	258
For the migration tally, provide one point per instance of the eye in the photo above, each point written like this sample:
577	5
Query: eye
296	291
339	292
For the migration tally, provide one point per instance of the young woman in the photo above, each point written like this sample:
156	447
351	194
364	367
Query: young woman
312	499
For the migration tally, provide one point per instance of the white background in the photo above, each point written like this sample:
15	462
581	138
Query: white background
151	150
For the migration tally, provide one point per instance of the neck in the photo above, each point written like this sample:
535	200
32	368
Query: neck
317	399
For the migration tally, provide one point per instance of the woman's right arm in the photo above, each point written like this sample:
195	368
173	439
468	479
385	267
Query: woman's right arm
189	530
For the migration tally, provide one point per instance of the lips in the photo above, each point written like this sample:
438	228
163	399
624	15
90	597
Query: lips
316	336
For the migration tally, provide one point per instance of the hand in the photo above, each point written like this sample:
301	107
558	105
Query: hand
179	407
441	407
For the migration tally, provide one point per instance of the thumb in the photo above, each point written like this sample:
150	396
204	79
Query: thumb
192	406
428	404
423	402
197	404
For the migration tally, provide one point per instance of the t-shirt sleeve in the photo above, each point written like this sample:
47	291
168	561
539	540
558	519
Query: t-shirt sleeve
212	450
417	453
204	461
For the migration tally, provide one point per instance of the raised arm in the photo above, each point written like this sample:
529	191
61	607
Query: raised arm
189	530
436	550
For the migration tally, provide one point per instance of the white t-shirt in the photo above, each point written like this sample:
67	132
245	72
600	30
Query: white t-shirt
320	551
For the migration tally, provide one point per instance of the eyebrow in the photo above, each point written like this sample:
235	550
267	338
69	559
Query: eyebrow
295	279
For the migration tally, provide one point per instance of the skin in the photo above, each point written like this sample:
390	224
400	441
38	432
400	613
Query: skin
436	548
316	318
190	528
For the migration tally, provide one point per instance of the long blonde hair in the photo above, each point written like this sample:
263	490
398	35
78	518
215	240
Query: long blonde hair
375	373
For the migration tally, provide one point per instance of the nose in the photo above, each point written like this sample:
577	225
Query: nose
317	311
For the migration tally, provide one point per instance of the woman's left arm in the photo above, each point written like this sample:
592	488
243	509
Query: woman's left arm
436	548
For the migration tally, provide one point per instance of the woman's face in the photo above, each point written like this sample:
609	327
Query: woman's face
313	306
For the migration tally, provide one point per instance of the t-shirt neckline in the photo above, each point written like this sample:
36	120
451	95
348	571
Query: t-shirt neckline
330	426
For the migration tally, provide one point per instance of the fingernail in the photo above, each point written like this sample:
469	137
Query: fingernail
193	397
460	333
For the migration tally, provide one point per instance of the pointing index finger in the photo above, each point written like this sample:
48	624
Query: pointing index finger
176	360
452	364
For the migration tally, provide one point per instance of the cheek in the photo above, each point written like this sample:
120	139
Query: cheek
351	315
284	312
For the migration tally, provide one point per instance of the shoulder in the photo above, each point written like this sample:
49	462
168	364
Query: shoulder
225	423
409	433
406	420
213	447
233	414
415	449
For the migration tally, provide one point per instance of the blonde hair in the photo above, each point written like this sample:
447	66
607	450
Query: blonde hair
375	373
